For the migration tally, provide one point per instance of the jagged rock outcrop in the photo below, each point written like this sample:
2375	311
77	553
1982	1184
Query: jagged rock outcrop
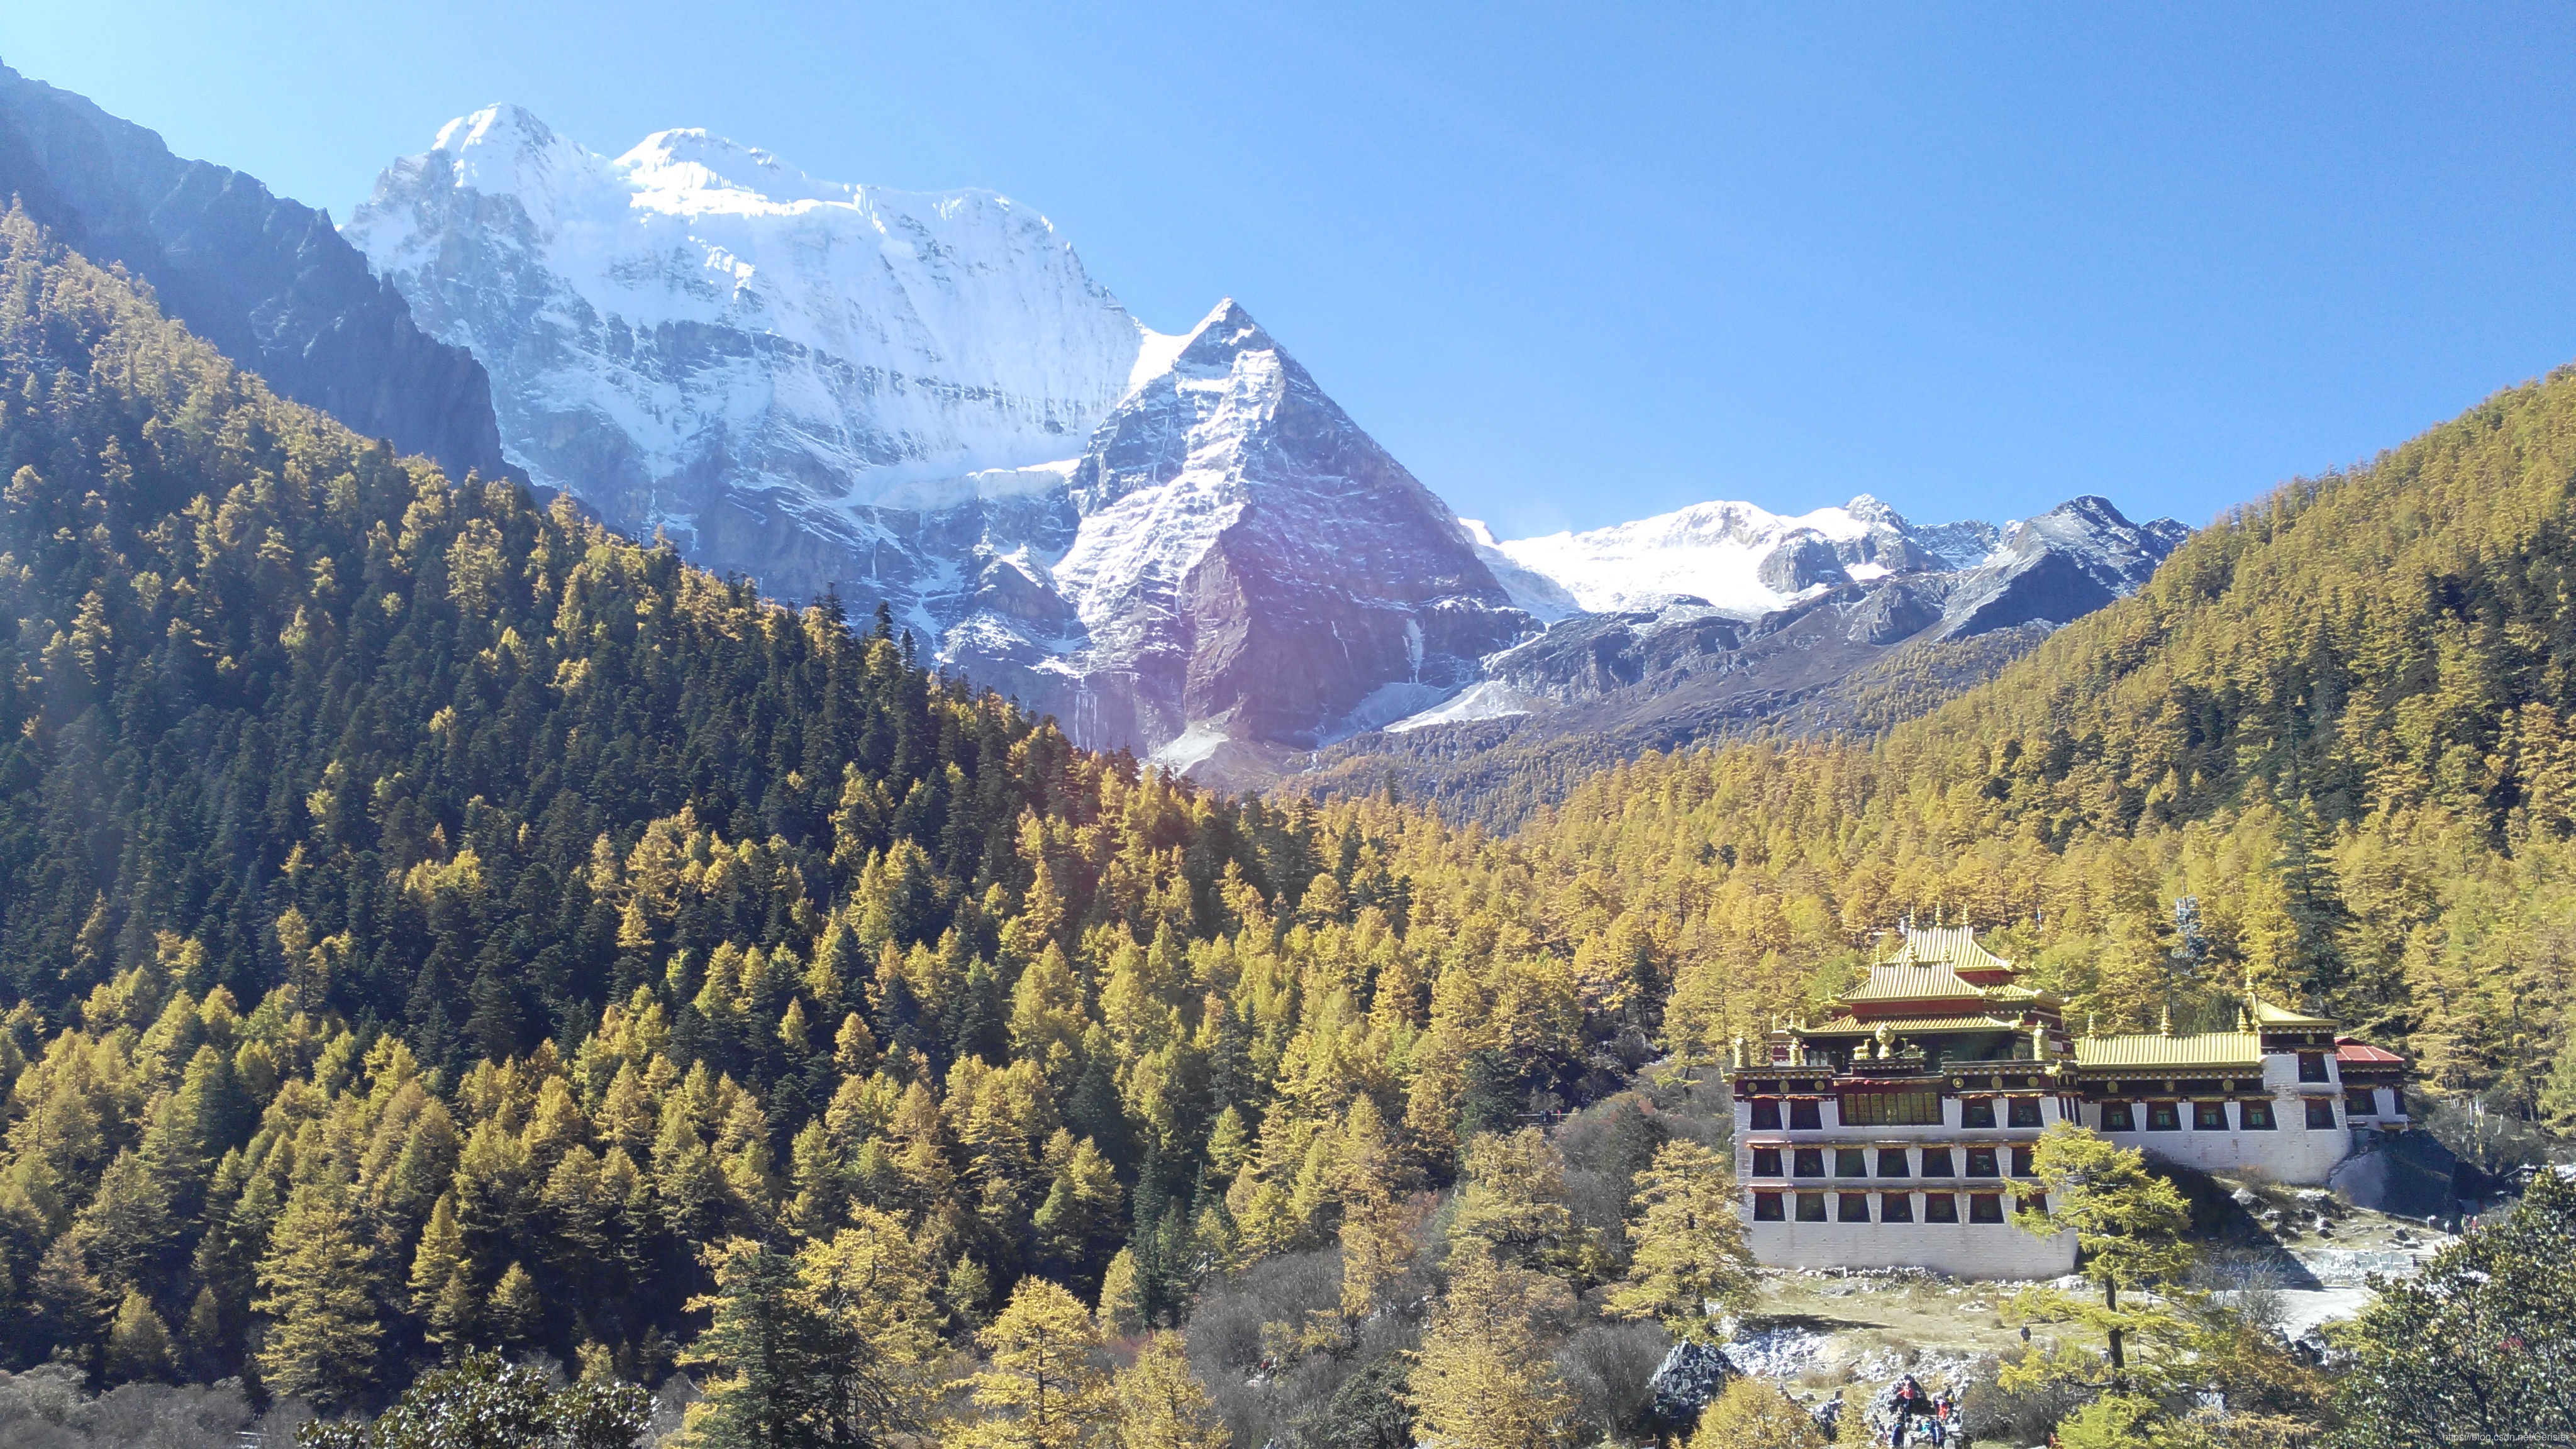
266	280
2058	567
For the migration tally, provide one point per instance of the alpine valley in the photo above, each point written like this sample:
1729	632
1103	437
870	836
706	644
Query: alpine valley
1176	544
529	917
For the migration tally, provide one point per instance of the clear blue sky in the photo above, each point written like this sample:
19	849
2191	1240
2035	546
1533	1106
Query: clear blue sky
1582	263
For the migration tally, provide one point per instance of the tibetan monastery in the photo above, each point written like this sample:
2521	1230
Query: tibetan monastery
1890	1135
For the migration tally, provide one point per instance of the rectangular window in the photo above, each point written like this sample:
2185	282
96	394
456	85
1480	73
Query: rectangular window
1981	1162
1766	1114
1896	1207
1810	1162
1985	1207
2361	1102
2164	1117
1803	1115
2025	1111
2209	1116
1855	1207
1766	1207
2312	1066
1976	1111
2021	1161
2036	1202
1766	1162
1891	1162
2116	1117
2321	1112
1940	1207
1892	1109
2256	1114
1851	1162
1811	1207
1936	1163
2397	1101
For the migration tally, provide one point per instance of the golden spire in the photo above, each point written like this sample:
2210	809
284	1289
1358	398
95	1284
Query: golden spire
2164	1022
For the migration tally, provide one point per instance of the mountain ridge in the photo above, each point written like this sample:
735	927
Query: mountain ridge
269	281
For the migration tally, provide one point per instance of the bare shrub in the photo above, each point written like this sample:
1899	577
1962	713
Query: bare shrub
1606	1366
50	1407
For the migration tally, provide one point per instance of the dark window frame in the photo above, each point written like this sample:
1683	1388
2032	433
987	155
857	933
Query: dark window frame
1811	1207
2021	1161
1976	1111
1854	1207
2360	1102
1896	1156
2203	1113
2117	1117
2321	1114
2164	1116
1949	1166
1806	1114
1768	1208
1896	1207
1985	1207
1766	1162
2312	1067
1807	1162
1982	1162
1914	1108
2255	1113
1851	1162
1940	1207
1766	1114
2022	1112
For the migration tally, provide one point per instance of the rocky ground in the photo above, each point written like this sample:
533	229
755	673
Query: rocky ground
2297	1257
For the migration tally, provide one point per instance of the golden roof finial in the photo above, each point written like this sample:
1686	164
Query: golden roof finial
2164	1022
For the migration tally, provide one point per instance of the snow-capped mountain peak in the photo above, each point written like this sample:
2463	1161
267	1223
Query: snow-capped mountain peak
695	319
1739	558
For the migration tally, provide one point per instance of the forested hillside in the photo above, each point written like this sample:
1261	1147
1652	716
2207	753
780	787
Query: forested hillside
2340	725
428	921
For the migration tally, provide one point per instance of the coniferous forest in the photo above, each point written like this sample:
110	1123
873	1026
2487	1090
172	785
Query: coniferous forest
430	923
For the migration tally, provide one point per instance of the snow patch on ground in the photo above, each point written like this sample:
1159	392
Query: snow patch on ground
1191	747
1777	1353
1491	699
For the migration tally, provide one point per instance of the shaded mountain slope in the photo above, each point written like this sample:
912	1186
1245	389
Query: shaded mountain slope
267	281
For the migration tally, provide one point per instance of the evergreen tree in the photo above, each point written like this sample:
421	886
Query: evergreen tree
1041	1391
1480	1380
323	1334
1689	1244
1162	1405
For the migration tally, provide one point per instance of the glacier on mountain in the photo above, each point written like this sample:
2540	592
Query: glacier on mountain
697	337
1740	559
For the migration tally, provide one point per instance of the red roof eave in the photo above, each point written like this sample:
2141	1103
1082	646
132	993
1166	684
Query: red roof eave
2348	1050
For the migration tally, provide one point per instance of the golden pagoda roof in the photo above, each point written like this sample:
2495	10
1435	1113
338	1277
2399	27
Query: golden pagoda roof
2238	1050
1900	1025
1951	946
1895	981
2266	1014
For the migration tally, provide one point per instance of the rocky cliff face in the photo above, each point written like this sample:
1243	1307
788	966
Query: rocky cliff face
262	278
